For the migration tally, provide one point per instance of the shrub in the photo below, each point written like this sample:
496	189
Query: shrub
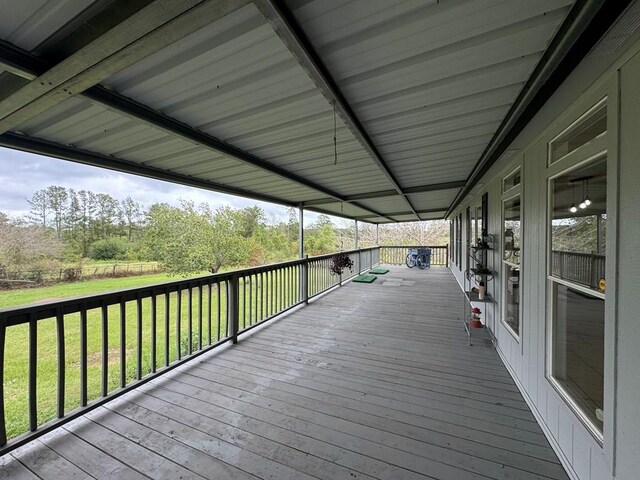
111	248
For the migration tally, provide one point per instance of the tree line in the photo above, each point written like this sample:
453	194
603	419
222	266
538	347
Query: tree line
65	226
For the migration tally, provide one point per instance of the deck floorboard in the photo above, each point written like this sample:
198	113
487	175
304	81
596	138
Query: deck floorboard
371	381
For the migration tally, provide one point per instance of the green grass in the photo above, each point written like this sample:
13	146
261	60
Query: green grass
13	298
256	302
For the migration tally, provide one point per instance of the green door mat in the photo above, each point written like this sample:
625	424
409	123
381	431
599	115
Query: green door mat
365	278
379	271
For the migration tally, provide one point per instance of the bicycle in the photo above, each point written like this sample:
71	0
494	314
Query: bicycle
420	257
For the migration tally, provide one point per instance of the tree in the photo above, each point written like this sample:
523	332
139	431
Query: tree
107	214
131	215
321	237
187	240
57	201
26	247
39	204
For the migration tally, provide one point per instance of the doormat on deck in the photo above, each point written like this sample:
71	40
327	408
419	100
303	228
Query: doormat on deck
365	278
379	271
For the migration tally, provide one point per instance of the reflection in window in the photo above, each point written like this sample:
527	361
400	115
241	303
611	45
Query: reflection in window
578	229
512	231
511	181
591	126
578	349
577	276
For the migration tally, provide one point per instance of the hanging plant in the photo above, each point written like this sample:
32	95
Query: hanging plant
339	262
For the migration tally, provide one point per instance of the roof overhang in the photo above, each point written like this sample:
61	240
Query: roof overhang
375	111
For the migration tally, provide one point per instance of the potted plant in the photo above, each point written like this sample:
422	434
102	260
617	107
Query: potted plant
339	262
475	318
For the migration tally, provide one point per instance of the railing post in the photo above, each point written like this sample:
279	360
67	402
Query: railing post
446	258
305	280
359	262
233	303
3	428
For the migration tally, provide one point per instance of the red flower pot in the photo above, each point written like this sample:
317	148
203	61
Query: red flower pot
476	323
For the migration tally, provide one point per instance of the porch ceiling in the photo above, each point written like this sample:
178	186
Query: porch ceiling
244	96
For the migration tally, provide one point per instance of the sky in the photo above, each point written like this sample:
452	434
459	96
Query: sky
21	174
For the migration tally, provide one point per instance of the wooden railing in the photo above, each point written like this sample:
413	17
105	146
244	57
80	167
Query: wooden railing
397	255
82	352
583	268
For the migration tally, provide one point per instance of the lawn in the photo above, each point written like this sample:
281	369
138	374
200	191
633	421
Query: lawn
258	299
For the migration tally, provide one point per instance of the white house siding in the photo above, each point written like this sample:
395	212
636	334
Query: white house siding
616	74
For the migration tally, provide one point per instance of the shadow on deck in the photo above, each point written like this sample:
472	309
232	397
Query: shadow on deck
368	381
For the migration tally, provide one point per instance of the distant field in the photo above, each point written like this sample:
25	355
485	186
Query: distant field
13	298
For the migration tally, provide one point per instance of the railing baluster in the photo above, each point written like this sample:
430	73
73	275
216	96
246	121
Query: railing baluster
200	316
83	357
232	306
33	353
261	311
154	313
178	315
209	305
167	314
3	424
105	349
123	343
61	366
219	312
139	337
190	321
250	299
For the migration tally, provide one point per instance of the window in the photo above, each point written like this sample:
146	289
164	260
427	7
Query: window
591	125
511	181
511	261
577	286
451	240
459	240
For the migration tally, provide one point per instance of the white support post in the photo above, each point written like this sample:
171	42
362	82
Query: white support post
377	234
357	243
301	231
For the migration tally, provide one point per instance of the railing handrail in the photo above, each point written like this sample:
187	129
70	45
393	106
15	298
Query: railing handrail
580	254
12	315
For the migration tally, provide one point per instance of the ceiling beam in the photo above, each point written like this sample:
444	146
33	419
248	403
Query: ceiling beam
29	65
585	24
65	152
390	193
152	28
398	214
292	34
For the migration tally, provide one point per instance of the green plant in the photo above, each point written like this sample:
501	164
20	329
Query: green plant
111	248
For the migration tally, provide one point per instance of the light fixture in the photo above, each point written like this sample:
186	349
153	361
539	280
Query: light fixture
583	203
586	200
573	208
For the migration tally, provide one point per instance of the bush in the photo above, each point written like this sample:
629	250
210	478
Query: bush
112	248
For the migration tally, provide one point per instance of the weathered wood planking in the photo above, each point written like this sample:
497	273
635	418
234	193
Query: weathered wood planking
370	381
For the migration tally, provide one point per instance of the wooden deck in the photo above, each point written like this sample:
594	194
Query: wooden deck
369	381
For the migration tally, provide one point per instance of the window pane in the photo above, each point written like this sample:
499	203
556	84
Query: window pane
512	297
578	349
587	129
511	181
512	232
578	226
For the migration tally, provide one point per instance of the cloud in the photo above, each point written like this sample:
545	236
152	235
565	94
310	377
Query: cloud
22	174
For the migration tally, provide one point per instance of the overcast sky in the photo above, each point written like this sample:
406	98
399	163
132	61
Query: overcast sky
21	174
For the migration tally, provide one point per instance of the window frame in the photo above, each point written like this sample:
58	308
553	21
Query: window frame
511	194
593	150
